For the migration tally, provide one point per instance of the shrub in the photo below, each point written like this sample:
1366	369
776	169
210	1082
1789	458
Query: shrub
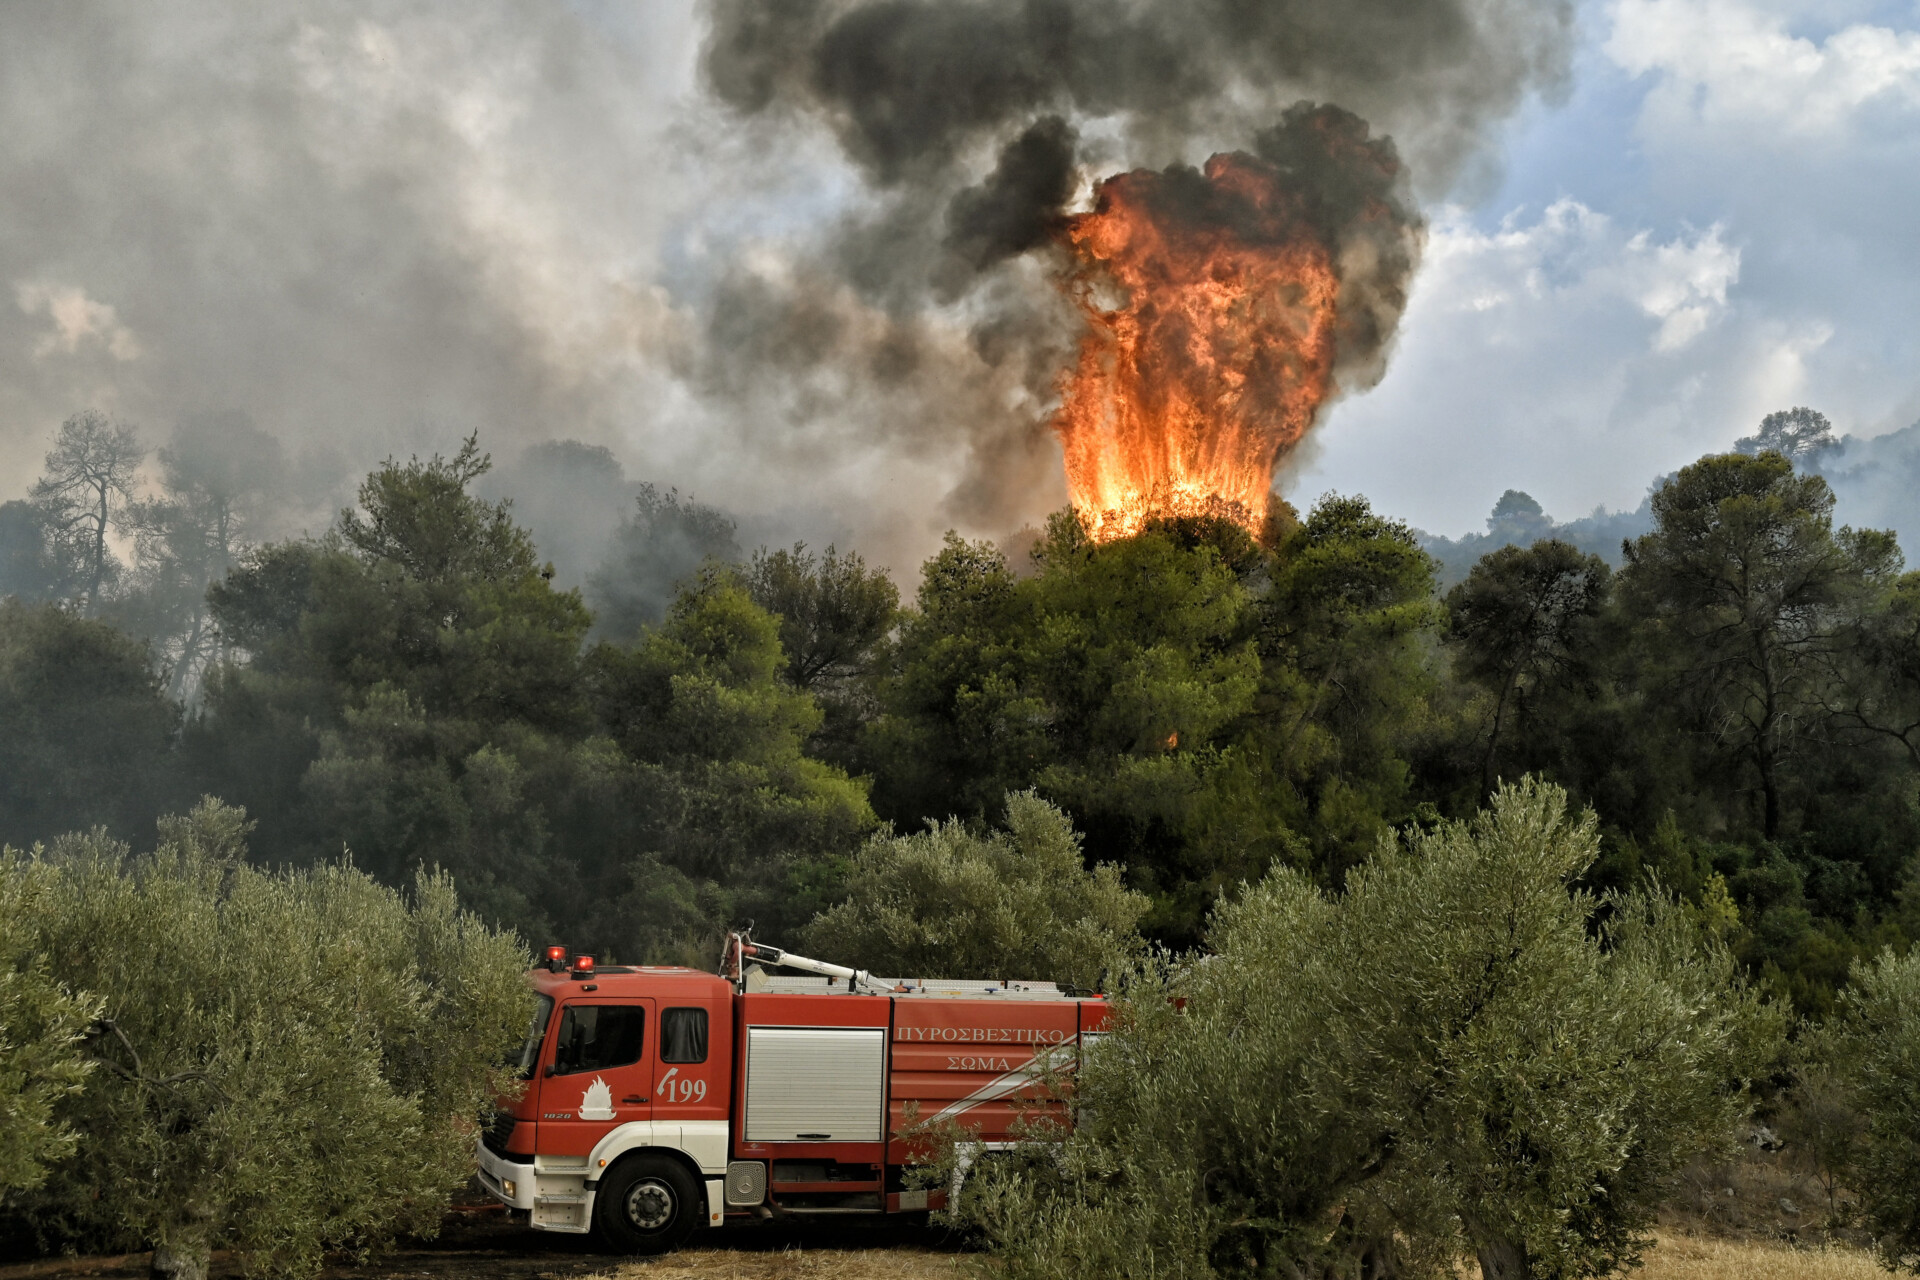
1456	1057
955	903
41	1024
285	1061
1874	1047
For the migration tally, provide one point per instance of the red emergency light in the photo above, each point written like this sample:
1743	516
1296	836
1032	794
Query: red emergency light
556	959
583	966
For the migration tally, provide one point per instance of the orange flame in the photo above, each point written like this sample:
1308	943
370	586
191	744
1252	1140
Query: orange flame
1210	306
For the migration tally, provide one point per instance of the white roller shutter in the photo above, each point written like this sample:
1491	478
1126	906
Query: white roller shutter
816	1084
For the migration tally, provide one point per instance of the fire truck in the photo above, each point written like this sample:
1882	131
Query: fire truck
659	1100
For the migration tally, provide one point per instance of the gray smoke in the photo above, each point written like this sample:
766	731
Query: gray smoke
808	281
929	311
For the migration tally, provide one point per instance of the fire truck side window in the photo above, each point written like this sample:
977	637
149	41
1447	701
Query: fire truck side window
537	1032
683	1035
595	1037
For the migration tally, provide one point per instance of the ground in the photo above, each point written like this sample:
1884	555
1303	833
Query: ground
1757	1218
837	1251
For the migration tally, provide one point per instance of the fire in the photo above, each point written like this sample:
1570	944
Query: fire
1211	308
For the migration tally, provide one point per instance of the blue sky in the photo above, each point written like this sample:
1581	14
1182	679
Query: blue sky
1718	221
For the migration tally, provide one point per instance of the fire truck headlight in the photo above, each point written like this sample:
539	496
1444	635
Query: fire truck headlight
506	1185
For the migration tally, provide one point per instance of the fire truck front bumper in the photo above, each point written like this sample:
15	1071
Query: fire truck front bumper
510	1182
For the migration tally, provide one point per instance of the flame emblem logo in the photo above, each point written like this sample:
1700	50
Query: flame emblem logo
597	1102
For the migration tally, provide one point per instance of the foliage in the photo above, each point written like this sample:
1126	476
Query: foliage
661	544
42	1022
1740	597
87	725
835	617
1799	434
1873	1049
1455	1056
286	1061
1116	680
1523	623
833	611
1012	903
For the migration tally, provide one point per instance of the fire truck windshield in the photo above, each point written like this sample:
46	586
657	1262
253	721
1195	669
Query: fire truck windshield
536	1032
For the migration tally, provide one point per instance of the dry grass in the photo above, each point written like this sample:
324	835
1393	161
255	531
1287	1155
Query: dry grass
1676	1258
1693	1258
799	1264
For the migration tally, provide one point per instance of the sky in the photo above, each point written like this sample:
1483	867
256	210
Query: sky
1715	223
372	228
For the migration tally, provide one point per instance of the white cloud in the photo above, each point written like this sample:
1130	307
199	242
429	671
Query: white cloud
1728	63
1574	256
1565	354
76	320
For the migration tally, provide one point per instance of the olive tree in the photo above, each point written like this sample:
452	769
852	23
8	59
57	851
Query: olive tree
959	903
1873	1048
1460	1055
283	1062
42	1022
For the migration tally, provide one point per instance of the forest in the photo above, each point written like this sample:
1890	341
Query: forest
1093	761
698	737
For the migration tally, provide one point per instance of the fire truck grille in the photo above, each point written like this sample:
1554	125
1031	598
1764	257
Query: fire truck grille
498	1131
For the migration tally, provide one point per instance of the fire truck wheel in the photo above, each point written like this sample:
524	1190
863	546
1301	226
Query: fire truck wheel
648	1204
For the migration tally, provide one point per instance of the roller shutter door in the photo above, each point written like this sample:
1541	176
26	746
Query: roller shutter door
816	1084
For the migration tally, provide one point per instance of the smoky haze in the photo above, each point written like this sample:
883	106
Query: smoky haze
809	282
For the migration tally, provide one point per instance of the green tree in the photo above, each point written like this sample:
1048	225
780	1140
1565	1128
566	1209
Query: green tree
409	684
285	1061
1741	597
661	544
88	728
1875	684
726	815
1452	1057
1115	680
1012	903
834	612
1874	1048
1523	619
835	617
1801	435
1345	685
42	1022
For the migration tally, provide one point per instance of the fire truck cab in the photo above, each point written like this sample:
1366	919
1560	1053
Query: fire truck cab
660	1100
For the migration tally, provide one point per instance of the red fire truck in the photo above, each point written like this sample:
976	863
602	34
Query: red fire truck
662	1099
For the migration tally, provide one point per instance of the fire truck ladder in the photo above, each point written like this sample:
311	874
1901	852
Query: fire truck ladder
745	961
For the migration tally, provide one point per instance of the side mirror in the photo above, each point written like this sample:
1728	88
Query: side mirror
549	1071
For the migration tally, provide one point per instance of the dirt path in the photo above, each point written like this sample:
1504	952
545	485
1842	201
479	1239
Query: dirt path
486	1248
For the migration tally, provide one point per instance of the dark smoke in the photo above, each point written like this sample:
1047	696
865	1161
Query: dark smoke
929	314
1354	192
813	288
1018	207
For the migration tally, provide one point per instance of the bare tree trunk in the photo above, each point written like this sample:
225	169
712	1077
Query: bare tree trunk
1503	1260
1769	793
99	553
1493	737
185	1252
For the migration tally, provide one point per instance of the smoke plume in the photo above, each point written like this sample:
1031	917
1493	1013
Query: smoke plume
976	128
799	257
